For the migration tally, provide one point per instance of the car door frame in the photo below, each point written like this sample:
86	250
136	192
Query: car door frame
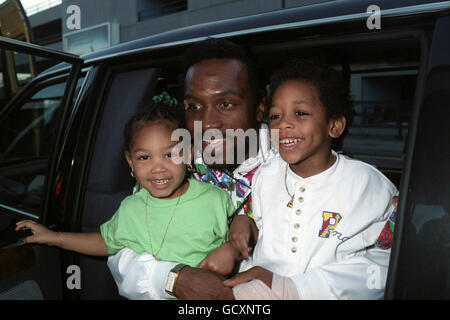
404	251
36	267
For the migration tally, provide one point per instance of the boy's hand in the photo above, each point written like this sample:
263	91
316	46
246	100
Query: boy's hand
221	260
40	233
257	272
242	230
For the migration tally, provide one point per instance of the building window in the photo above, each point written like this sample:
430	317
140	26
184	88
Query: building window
148	9
47	33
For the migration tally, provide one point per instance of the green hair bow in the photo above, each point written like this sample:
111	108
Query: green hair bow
166	99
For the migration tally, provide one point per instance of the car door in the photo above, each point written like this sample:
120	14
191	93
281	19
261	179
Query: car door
32	124
420	264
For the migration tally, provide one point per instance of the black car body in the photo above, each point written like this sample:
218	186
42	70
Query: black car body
62	164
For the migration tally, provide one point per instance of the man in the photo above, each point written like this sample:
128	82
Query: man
222	91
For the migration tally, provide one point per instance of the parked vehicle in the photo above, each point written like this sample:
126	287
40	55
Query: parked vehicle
61	156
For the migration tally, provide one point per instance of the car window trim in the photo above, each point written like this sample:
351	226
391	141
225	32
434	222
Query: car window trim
393	12
22	212
89	75
408	34
32	49
49	186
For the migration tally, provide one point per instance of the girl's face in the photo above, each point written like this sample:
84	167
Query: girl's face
305	132
150	159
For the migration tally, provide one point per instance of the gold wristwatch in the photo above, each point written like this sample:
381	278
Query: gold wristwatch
172	278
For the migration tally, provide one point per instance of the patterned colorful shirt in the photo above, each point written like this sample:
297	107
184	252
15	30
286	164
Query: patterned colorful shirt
237	185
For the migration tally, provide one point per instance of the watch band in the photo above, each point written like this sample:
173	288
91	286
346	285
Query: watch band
172	278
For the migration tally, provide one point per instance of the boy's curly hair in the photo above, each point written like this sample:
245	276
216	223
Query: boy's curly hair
334	92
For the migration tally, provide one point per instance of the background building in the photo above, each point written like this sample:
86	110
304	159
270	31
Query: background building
382	100
126	20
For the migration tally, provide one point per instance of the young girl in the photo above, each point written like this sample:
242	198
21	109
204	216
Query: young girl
317	237
171	217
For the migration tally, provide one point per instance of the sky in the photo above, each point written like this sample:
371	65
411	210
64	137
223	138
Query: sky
42	3
32	3
29	3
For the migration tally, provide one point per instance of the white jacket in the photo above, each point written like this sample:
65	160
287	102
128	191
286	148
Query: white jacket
325	242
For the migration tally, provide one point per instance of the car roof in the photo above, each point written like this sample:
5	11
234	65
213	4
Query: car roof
325	12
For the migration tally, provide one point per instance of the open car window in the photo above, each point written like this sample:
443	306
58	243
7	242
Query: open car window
27	135
33	109
382	73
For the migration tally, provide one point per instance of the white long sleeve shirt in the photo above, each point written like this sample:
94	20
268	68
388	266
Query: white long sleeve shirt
325	242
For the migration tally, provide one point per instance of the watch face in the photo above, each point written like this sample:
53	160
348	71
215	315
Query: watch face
170	281
172	277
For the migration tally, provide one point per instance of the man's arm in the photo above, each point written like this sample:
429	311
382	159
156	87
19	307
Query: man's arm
141	277
199	284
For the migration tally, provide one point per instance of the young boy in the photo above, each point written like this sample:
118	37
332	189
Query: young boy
319	213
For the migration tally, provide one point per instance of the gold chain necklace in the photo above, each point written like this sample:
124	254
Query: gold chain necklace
167	228
291	202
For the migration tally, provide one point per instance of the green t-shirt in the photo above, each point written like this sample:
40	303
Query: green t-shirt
199	224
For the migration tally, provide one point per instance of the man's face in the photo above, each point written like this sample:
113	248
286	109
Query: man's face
218	94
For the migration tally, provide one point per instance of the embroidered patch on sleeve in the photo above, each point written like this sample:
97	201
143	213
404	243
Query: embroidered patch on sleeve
386	236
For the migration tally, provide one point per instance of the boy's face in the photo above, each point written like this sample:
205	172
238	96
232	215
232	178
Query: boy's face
305	132
150	159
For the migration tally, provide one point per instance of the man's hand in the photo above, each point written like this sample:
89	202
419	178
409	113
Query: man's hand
227	294
260	273
242	230
199	284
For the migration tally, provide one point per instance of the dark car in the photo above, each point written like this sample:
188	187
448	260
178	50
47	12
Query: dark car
61	144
